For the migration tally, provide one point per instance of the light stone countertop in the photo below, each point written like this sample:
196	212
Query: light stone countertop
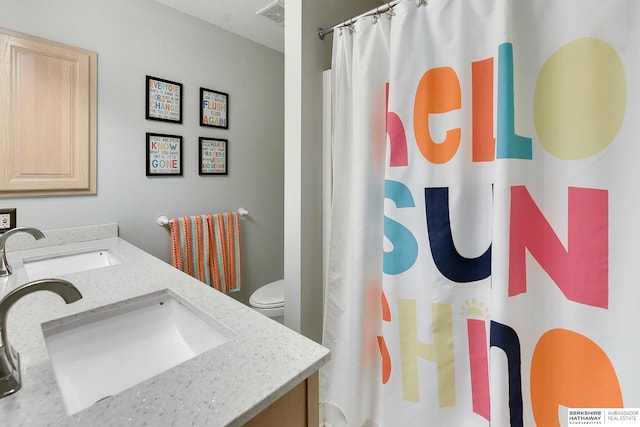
225	386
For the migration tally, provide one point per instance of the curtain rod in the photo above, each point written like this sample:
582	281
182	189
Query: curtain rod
380	9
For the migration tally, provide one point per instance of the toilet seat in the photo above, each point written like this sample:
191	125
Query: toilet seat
269	296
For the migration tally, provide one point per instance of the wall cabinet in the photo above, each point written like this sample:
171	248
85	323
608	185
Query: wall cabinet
48	101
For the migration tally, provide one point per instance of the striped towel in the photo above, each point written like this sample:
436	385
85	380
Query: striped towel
207	247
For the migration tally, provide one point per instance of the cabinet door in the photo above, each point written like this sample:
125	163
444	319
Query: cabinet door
297	408
47	117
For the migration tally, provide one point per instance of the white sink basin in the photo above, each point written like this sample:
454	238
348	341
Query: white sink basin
39	268
104	351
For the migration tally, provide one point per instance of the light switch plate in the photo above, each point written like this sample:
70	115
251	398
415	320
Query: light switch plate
7	219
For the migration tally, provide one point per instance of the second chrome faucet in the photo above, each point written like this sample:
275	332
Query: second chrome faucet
5	268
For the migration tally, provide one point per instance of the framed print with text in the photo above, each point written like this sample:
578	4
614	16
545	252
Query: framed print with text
213	156
164	100
214	108
164	155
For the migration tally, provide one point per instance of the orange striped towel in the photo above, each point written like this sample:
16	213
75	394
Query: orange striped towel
208	248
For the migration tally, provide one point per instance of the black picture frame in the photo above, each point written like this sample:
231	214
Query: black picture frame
214	108
164	100
213	158
164	154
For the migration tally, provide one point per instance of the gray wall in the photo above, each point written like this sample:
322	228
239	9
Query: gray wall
136	38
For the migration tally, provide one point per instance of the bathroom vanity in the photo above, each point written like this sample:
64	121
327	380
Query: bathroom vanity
246	369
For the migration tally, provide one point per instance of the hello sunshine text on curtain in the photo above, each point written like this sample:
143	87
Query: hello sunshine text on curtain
508	238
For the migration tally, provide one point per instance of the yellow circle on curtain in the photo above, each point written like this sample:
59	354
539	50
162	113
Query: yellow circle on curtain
580	99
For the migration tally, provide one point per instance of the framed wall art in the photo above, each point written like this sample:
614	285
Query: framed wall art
214	108
164	100
213	157
164	155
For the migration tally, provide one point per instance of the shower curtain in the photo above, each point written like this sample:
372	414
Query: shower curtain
484	228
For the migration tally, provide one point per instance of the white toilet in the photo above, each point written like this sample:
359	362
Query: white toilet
269	300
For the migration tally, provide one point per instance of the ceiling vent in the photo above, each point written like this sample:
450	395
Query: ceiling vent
274	11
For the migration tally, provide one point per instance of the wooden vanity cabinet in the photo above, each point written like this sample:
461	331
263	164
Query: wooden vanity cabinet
298	408
47	117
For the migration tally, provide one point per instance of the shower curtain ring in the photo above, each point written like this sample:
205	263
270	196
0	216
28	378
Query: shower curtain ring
421	3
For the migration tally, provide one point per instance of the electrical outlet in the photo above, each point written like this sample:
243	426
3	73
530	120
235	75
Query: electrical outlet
7	219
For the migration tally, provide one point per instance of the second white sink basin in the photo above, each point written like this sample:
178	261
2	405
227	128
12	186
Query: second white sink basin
104	351
39	268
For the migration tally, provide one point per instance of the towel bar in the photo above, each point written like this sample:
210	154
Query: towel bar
163	220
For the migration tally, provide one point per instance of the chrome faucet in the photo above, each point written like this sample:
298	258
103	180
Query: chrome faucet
5	268
9	358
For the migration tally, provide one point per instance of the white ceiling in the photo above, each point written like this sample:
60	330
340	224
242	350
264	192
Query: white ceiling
236	16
